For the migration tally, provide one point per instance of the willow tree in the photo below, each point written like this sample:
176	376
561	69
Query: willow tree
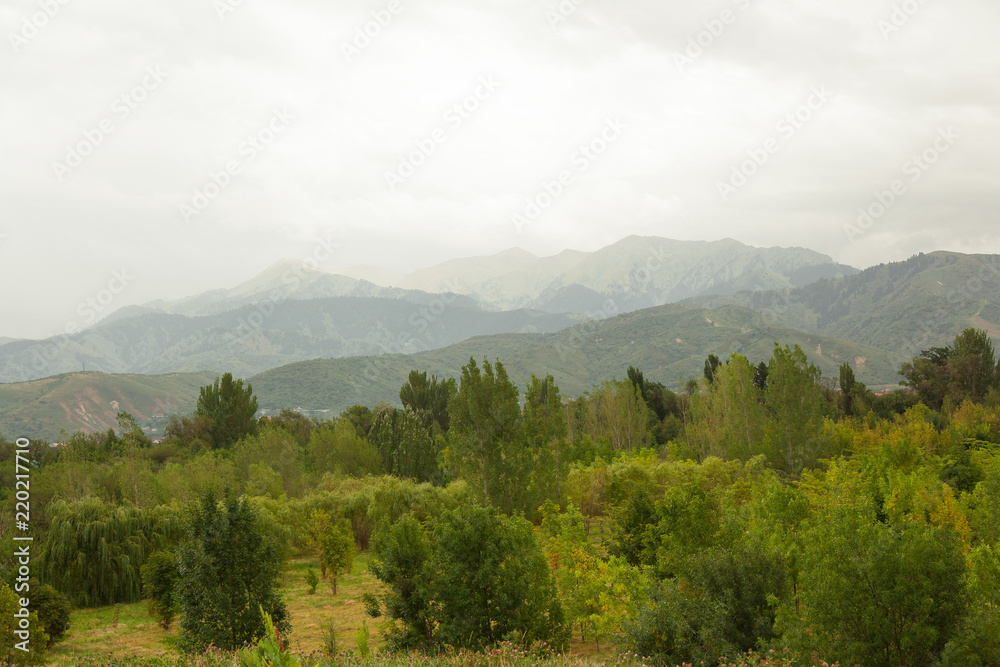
94	551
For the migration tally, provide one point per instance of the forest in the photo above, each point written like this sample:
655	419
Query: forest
760	514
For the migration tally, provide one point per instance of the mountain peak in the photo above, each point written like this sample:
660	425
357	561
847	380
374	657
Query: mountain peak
516	253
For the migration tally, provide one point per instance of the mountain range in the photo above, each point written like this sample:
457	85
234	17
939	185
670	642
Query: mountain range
294	312
322	341
637	271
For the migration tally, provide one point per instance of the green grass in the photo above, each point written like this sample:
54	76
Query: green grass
128	631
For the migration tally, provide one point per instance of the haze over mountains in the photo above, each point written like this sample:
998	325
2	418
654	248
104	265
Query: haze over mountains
292	312
322	341
640	271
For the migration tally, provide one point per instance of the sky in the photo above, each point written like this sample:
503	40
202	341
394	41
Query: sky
155	150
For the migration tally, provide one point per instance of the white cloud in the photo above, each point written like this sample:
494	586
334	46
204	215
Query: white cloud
355	120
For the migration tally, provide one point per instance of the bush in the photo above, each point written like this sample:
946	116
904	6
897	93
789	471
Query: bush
312	580
486	573
159	579
53	609
39	639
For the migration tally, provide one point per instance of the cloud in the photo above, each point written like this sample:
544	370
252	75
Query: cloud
691	121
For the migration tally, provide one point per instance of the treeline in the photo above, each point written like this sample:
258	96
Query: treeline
758	507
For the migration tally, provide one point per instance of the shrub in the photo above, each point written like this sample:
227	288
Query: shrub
159	579
53	609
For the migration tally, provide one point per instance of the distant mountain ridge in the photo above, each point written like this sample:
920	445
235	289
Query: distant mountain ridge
637	271
293	311
668	343
254	338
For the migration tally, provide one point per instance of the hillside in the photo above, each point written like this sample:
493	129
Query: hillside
255	338
902	307
90	401
667	343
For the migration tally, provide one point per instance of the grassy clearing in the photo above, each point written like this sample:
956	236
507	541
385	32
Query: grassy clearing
128	629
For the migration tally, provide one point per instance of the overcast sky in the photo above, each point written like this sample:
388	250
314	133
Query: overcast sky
337	123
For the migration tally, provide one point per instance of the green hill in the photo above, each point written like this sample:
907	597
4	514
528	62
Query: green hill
902	307
667	343
90	401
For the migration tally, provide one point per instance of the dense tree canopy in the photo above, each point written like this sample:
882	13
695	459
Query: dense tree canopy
228	570
229	409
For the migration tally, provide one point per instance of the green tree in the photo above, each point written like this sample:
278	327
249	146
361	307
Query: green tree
93	550
485	429
972	367
545	431
277	450
360	417
337	550
129	448
159	579
795	401
927	375
53	609
712	364
293	423
402	551
728	420
405	444
229	569
964	370
616	412
337	447
428	399
875	594
978	642
491	582
847	384
229	409
35	636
